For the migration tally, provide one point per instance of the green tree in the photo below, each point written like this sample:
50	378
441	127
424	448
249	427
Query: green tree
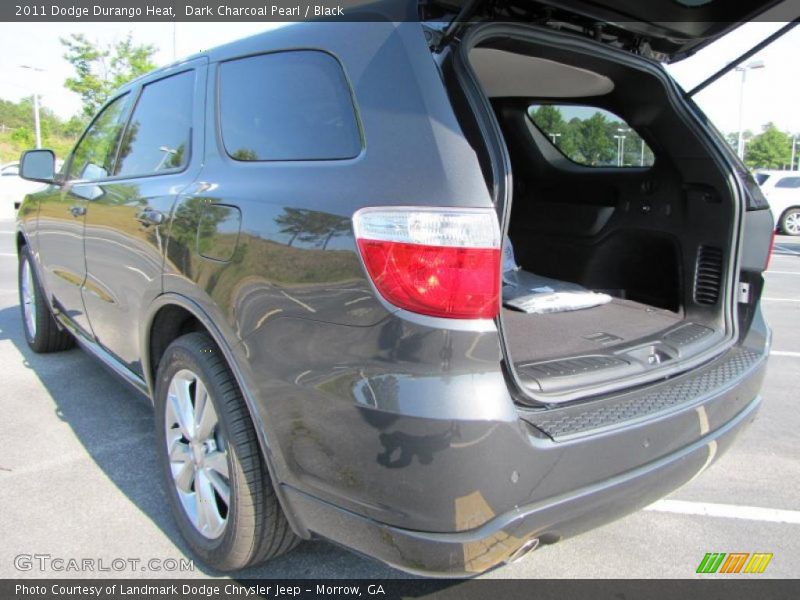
771	149
595	144
548	118
23	136
99	70
550	121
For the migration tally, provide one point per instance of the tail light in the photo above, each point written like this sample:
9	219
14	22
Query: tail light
771	250
438	262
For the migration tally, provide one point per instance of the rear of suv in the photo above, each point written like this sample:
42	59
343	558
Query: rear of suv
294	245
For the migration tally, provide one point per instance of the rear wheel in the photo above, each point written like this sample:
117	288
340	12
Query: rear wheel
216	478
790	222
42	332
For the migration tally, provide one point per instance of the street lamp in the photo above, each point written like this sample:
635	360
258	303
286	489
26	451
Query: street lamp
756	64
620	144
36	125
553	137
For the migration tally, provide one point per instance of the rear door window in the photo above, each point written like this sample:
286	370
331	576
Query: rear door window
591	136
158	135
293	105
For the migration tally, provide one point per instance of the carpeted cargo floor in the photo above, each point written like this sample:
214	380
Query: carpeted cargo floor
533	338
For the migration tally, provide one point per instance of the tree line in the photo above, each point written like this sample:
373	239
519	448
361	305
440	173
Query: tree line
594	141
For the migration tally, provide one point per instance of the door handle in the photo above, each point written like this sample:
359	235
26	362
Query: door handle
149	217
77	211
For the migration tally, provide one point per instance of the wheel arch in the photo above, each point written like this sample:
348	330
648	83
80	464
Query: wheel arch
172	315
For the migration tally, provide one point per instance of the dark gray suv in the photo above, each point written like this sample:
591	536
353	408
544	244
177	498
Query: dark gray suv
439	291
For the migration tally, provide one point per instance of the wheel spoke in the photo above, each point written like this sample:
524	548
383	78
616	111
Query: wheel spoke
205	415
220	484
184	475
209	519
218	461
181	405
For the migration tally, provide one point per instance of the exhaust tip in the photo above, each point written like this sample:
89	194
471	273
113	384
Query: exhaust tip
523	550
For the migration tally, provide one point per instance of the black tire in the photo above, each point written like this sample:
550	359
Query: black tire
256	528
43	334
790	222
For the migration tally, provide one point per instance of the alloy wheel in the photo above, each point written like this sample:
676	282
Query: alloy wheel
28	298
198	454
792	223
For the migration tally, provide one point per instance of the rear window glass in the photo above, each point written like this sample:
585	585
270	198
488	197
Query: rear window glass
292	105
591	136
788	182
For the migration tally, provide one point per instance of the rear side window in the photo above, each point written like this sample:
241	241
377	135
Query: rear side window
591	136
293	105
788	182
159	132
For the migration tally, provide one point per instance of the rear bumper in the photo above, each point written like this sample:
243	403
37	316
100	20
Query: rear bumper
502	538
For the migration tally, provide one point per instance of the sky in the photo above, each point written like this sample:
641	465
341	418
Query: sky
771	94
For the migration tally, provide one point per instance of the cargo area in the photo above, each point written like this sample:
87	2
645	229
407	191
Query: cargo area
645	217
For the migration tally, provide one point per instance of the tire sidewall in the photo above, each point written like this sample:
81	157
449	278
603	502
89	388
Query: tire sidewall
177	357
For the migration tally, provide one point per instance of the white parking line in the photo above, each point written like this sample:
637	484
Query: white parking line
9	254
785	353
782	272
768	299
727	511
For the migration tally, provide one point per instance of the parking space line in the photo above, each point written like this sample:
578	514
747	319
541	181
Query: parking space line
782	272
727	511
784	353
780	299
779	249
9	254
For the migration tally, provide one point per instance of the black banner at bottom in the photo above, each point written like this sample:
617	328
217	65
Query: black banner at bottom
391	589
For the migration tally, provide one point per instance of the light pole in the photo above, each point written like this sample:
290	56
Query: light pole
641	156
794	146
756	64
553	137
621	145
36	125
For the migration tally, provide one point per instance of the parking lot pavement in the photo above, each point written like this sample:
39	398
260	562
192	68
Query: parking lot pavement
78	473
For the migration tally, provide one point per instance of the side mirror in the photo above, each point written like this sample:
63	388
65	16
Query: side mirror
38	165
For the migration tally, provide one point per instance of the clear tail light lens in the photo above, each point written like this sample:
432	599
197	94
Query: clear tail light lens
437	262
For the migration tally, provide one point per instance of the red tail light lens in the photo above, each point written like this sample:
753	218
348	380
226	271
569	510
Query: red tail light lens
442	263
771	250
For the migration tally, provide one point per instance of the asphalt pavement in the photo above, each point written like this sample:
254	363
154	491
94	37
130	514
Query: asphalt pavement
78	475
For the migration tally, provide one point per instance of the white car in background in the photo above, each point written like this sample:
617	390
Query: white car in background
13	189
782	189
